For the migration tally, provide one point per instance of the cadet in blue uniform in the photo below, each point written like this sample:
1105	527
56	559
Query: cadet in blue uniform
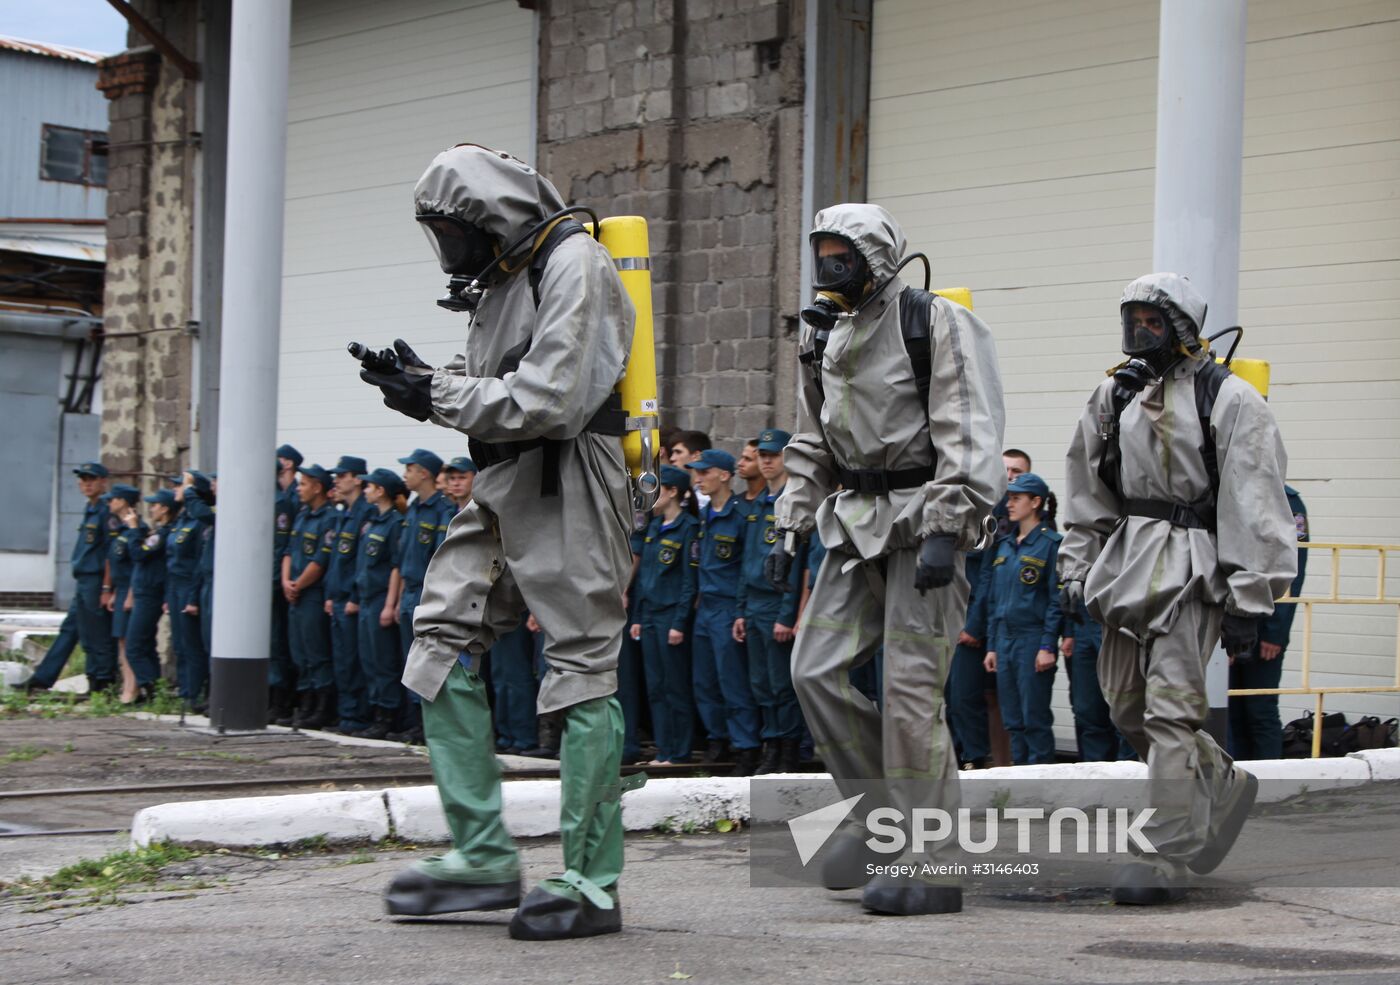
1098	739
182	548
281	672
381	655
1024	621
92	595
309	550
1255	729
352	512
768	618
663	599
723	524
119	500
146	545
425	526
199	503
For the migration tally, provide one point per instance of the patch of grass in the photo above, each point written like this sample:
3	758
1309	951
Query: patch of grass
60	704
24	754
103	877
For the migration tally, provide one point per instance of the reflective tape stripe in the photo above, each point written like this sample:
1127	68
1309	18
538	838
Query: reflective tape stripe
632	263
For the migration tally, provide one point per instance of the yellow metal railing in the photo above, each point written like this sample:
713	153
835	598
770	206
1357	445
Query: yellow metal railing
1316	549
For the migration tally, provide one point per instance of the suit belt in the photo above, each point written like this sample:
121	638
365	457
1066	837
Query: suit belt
880	481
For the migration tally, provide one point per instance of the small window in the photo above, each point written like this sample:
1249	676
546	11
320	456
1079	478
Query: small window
78	156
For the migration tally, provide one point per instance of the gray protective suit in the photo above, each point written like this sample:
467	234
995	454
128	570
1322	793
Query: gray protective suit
565	556
872	418
1161	590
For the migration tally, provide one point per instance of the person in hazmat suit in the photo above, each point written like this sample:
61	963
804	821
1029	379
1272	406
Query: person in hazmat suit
896	463
1178	534
546	530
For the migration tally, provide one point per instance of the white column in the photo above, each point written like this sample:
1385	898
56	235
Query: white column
1200	144
1196	218
252	312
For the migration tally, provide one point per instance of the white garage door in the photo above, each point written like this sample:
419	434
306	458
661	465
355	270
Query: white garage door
1016	141
376	90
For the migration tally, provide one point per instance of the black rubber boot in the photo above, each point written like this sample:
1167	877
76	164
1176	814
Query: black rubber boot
322	709
903	897
847	855
745	762
281	706
546	916
790	756
416	894
306	709
1232	817
768	761
1143	884
379	728
714	752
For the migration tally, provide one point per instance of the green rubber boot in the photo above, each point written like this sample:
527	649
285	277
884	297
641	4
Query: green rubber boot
583	902
482	871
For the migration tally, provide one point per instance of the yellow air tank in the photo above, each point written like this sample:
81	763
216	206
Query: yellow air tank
625	237
1255	372
957	295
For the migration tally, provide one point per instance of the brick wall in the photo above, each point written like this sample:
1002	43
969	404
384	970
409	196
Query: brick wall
688	112
147	357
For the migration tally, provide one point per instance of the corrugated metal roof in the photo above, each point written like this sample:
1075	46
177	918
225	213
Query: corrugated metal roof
62	51
90	250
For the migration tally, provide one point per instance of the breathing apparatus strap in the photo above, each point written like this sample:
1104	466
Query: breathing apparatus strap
610	418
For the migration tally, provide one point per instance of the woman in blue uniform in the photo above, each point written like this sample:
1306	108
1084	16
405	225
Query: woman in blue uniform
665	596
120	501
1024	621
146	545
183	544
381	658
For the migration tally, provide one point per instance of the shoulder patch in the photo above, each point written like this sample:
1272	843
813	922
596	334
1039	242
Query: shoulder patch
1300	524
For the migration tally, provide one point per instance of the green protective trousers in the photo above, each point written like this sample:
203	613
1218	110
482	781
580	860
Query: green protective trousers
457	726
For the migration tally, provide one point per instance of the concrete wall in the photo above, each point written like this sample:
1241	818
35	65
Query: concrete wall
147	362
689	113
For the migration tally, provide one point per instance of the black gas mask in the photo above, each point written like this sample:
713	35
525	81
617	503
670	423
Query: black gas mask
841	277
465	251
1149	342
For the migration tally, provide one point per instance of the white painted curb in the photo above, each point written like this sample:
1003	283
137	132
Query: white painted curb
249	821
531	807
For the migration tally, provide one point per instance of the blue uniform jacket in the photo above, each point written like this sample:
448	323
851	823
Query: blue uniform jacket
286	505
204	513
119	560
1277	627
424	526
147	549
757	597
666	578
721	548
1024	598
311	541
182	546
374	559
90	549
349	523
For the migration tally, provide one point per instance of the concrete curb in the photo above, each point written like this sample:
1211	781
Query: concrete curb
531	807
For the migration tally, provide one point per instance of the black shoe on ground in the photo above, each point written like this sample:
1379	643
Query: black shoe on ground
31	685
540	752
379	728
281	705
768	759
745	762
714	752
416	894
1143	884
546	916
902	897
790	756
413	736
316	710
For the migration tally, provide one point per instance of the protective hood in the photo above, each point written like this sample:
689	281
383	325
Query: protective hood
875	233
486	188
1174	294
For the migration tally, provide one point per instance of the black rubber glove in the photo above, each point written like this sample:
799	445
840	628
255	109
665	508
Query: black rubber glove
1239	634
935	567
1072	598
777	568
408	388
